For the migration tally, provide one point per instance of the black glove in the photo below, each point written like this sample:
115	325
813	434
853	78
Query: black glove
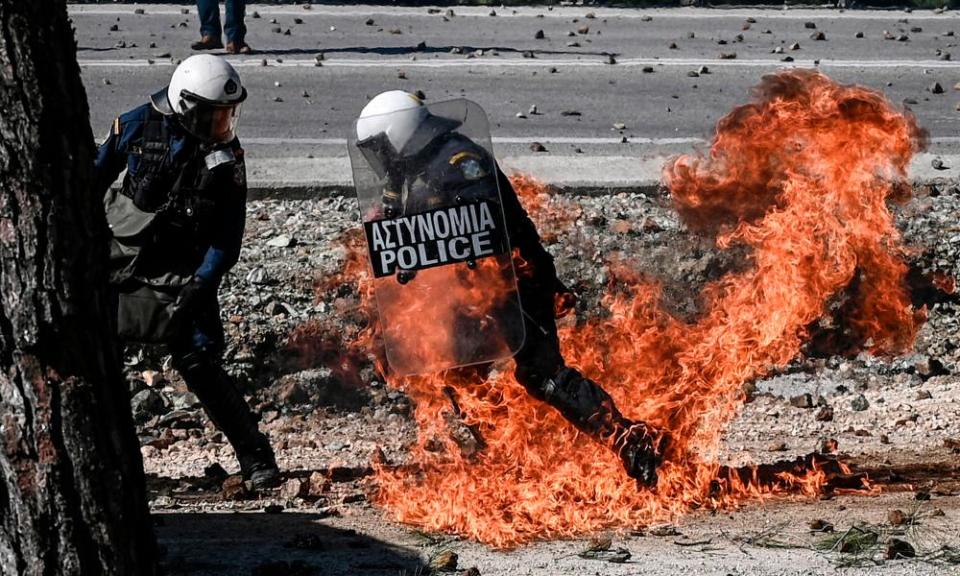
192	294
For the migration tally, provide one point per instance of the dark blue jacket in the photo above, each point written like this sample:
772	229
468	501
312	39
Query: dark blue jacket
223	230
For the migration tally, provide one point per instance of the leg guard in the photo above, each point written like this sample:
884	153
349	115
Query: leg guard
229	411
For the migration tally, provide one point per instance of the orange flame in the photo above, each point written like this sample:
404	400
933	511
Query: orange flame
801	177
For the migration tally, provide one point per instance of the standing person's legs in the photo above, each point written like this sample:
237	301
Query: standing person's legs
235	28
210	30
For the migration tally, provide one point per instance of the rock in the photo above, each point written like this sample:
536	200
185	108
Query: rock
825	414
924	395
234	488
444	561
317	485
255	15
153	379
820	525
921	496
929	368
935	88
114	28
533	110
897	548
619	126
147	404
897	517
795	46
693	74
828	446
539	35
537	147
273	509
778	446
858	35
860	403
294	488
703	70
611	59
282	241
646	18
802	401
728	55
647	70
521	115
571	113
938	164
472	571
810	25
818	36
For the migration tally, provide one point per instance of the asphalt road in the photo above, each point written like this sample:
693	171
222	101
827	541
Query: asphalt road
299	114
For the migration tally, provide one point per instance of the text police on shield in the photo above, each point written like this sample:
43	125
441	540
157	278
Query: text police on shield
436	237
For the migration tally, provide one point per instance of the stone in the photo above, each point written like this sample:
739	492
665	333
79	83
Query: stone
234	488
444	561
146	404
860	403
897	517
825	414
282	241
539	35
802	401
538	147
294	488
897	548
935	88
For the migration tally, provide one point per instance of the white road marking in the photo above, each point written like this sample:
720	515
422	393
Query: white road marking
586	61
578	170
266	141
531	12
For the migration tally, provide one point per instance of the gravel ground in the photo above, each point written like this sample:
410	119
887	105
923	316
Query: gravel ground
328	412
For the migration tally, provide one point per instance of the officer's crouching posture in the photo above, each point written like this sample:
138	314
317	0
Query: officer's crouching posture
177	224
422	156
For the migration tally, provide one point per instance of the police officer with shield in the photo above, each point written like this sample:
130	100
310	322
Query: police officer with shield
418	160
177	224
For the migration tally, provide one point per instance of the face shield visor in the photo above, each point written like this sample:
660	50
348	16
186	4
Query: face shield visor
210	121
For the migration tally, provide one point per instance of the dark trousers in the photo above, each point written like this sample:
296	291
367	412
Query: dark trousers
209	11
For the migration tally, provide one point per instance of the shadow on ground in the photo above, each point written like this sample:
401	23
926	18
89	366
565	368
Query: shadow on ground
287	544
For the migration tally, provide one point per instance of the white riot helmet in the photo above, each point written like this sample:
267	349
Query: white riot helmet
396	125
205	93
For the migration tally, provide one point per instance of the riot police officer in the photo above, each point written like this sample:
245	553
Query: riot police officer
177	224
420	156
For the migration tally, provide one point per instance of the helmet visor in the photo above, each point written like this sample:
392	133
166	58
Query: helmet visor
211	121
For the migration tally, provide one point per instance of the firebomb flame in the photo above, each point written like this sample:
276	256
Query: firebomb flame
799	178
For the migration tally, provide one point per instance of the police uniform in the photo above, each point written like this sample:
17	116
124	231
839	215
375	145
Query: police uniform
177	224
454	164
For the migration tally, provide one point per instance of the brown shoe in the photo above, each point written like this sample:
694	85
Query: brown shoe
207	43
242	48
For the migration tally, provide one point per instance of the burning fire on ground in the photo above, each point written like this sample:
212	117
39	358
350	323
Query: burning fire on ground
801	177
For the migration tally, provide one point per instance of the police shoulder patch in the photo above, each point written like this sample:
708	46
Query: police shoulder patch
470	165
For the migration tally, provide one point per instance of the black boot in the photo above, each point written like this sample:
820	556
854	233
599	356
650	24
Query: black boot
588	407
229	411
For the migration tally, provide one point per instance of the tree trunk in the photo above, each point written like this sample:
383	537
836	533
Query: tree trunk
72	499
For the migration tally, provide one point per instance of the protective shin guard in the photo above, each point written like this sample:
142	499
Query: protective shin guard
588	407
229	411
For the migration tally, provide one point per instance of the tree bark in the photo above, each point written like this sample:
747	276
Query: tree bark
72	499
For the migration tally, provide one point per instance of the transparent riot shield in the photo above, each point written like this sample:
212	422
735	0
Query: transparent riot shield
443	273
